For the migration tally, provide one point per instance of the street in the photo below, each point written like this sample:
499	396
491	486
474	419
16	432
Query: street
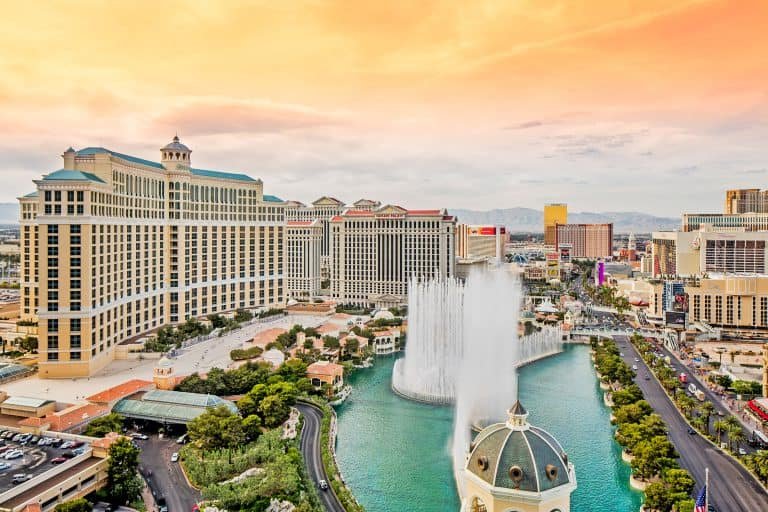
164	477
732	488
310	450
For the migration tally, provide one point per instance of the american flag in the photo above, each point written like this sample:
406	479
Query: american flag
701	501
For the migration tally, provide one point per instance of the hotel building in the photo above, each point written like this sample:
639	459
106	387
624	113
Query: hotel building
705	251
375	253
725	222
322	210
746	200
484	242
554	214
114	247
590	241
731	302
303	239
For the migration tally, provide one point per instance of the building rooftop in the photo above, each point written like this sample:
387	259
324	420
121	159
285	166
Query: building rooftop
273	199
169	406
23	401
120	391
223	176
67	175
325	368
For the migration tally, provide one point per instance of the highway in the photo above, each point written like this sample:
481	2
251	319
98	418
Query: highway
310	450
732	488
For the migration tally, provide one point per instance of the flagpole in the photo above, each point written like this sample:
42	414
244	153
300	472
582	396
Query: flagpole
706	488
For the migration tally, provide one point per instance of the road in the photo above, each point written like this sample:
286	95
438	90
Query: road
166	478
310	450
732	488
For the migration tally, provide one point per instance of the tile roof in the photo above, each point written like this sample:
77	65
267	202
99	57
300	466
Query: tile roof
128	158
120	391
273	199
325	368
65	174
32	194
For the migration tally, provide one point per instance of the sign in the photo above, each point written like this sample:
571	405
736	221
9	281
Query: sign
675	319
565	253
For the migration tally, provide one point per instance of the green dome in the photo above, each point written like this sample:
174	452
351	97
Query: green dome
518	456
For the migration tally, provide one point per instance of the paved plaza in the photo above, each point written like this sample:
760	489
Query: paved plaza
212	353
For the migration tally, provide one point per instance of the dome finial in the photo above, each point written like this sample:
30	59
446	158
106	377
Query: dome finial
517	415
176	137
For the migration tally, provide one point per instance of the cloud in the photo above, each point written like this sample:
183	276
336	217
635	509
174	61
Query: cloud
753	171
525	125
225	116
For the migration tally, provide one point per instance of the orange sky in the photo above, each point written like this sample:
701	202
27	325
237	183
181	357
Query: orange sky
426	92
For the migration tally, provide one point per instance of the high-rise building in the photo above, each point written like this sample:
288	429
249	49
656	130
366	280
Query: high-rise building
706	251
303	239
485	242
590	241
322	210
556	213
746	200
725	222
115	246
730	301
375	253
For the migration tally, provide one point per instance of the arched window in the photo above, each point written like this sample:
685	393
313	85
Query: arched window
477	505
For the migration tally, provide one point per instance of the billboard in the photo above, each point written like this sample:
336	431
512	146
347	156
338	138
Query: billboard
565	253
553	265
675	319
487	230
680	303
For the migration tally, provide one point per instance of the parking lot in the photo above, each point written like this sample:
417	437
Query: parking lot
24	456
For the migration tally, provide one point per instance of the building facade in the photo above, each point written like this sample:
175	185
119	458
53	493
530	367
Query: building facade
480	242
554	214
322	210
730	302
725	222
746	200
586	240
116	246
375	253
303	240
706	251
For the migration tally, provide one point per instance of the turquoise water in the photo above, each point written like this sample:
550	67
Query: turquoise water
395	454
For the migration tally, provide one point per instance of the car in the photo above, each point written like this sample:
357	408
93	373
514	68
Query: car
13	454
637	359
634	367
56	442
742	451
4	449
21	478
137	435
16	438
80	451
66	445
691	431
647	377
4	466
175	457
323	485
58	460
78	444
34	439
182	439
69	455
621	354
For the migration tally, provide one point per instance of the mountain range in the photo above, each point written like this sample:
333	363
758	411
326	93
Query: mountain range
515	219
530	220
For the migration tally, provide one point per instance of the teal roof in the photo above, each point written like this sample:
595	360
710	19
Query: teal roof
32	194
65	174
128	158
221	175
196	172
273	199
170	406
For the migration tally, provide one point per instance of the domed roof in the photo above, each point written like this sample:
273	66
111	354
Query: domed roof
164	362
518	456
383	314
176	145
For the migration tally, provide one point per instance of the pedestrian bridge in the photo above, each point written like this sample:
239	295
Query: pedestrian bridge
669	338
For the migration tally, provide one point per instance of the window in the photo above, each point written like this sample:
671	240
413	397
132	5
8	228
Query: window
74	324
53	325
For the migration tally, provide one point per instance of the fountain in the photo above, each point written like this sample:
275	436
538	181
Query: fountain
427	373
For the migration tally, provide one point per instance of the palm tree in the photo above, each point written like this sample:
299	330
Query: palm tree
706	410
758	462
736	435
720	426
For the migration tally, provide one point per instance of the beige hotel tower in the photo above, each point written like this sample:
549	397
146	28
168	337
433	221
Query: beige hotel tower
115	246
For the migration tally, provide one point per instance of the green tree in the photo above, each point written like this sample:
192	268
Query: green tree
331	342
102	426
252	427
632	413
628	395
274	410
706	409
720	426
76	505
217	427
758	463
292	370
123	483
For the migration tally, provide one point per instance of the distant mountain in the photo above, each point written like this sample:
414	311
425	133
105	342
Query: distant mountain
530	220
9	213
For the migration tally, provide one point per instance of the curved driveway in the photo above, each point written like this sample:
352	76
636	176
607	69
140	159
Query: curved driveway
310	450
732	488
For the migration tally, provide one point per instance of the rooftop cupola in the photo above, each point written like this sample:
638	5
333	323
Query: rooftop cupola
69	159
174	154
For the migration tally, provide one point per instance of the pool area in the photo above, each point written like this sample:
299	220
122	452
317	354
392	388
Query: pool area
395	454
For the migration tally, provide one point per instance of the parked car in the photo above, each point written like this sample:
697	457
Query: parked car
4	466
21	478
742	451
13	454
137	435
58	460
69	455
78	444
66	445
16	438
34	439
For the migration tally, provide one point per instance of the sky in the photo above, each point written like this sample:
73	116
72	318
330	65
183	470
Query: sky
655	106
